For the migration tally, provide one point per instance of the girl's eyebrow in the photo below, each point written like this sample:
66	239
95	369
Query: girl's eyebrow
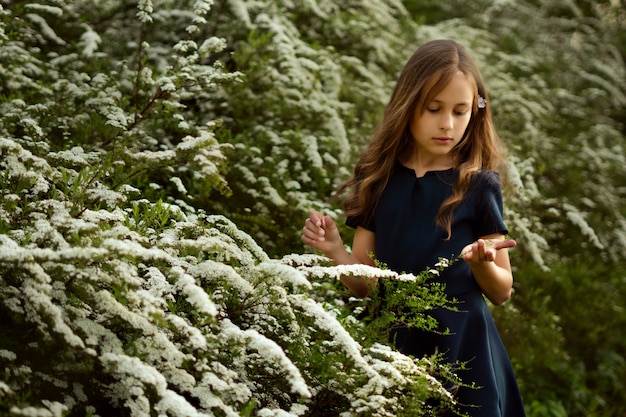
457	104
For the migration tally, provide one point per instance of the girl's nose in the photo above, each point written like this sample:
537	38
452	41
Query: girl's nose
446	122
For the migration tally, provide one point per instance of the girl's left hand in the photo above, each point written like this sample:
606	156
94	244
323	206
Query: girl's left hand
485	250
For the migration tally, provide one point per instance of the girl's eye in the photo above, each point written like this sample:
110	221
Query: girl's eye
438	110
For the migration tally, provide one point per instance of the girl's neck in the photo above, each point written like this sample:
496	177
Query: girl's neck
422	164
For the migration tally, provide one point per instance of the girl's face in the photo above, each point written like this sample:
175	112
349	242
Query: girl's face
441	126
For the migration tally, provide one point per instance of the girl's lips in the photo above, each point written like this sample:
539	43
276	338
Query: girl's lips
442	139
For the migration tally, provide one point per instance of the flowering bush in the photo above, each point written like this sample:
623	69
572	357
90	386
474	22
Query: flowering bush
316	74
117	295
104	315
135	135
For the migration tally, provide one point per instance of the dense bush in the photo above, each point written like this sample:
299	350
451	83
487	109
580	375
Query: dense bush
118	296
157	159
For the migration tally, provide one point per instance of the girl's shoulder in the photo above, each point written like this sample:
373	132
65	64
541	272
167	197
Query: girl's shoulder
485	182
487	177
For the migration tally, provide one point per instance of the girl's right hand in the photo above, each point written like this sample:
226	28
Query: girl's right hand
321	233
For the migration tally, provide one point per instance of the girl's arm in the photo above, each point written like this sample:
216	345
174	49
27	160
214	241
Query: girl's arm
488	259
320	232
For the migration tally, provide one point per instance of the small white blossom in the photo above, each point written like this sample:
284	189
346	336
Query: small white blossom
270	351
194	293
180	187
145	11
89	41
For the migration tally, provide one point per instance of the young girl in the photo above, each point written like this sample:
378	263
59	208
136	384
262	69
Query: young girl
426	188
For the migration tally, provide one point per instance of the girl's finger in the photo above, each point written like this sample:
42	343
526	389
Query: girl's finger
504	244
317	219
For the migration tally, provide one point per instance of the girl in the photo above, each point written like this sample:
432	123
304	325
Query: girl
426	188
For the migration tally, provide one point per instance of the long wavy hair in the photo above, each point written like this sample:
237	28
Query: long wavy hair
427	72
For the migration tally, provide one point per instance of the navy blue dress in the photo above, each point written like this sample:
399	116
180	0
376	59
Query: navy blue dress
409	241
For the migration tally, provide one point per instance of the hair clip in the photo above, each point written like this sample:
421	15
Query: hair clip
482	103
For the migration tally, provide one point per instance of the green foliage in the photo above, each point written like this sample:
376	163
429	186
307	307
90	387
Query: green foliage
99	120
370	320
122	123
404	302
316	78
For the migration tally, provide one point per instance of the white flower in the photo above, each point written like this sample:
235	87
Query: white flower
269	351
89	41
145	11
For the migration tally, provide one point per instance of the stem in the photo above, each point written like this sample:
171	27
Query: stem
139	68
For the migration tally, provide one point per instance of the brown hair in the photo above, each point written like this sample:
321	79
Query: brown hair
426	73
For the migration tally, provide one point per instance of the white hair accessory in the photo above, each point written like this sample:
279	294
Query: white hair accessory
482	103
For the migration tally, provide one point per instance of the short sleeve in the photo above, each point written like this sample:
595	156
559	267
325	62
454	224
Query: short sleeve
356	221
362	220
489	208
